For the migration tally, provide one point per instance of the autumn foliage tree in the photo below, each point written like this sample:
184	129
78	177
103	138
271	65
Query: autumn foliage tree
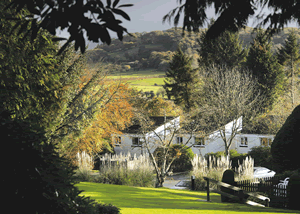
110	119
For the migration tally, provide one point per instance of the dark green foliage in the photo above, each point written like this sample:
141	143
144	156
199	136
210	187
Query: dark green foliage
266	69
107	209
40	181
262	156
72	15
228	178
283	149
293	190
289	57
181	163
227	50
233	15
181	79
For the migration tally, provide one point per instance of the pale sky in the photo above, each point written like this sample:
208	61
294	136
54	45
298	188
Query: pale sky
146	16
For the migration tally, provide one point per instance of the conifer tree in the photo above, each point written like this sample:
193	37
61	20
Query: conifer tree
181	78
265	68
227	49
289	57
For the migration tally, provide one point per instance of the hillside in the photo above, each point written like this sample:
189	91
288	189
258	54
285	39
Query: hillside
153	50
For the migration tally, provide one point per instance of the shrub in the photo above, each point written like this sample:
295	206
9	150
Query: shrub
262	156
228	177
283	148
293	190
182	163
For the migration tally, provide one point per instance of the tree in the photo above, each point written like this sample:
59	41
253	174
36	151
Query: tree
227	95
109	119
284	154
289	57
181	79
154	139
266	69
75	16
233	15
226	49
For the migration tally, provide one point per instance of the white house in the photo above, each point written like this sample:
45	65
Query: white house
131	140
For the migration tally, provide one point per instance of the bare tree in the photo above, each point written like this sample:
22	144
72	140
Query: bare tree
227	96
163	137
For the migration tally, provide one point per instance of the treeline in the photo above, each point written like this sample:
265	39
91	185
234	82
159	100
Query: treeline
155	49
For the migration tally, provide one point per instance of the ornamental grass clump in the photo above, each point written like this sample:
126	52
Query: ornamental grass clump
126	170
214	167
85	165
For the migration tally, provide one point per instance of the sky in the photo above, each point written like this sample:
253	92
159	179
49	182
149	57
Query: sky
146	16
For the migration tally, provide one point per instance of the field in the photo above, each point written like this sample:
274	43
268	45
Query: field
146	80
136	200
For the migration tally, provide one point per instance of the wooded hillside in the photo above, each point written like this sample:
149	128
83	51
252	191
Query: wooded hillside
155	49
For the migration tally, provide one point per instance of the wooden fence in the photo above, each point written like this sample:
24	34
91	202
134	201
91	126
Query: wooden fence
268	187
239	194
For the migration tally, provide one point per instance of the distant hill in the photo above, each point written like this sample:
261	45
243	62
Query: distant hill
154	49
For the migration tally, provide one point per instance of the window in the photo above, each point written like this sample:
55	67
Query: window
244	142
117	140
264	141
137	141
199	142
179	140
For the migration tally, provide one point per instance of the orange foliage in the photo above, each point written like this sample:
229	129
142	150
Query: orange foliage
114	116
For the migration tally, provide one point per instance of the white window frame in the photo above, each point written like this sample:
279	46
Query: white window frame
202	143
117	140
269	141
243	142
140	141
179	140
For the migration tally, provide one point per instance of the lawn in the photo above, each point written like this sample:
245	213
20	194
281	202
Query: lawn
162	200
142	80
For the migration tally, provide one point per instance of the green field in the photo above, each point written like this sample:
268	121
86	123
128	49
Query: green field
146	80
137	200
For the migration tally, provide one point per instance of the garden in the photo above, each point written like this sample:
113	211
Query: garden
133	179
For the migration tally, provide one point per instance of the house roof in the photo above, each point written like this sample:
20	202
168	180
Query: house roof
157	120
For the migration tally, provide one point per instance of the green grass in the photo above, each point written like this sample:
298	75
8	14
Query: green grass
142	80
138	200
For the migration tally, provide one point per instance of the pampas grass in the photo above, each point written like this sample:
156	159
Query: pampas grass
126	170
85	165
215	167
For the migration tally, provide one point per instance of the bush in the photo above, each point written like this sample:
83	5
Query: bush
283	148
40	180
293	190
262	156
181	163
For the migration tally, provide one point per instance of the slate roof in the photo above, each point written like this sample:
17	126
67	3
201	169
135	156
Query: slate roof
158	121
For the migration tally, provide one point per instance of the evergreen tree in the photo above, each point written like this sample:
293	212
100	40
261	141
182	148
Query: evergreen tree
265	68
289	57
226	49
180	80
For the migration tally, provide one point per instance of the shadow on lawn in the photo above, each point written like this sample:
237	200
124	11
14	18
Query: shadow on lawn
163	198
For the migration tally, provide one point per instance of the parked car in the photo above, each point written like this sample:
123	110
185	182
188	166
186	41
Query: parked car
262	172
280	189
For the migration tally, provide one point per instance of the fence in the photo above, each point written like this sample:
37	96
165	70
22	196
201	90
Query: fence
269	187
